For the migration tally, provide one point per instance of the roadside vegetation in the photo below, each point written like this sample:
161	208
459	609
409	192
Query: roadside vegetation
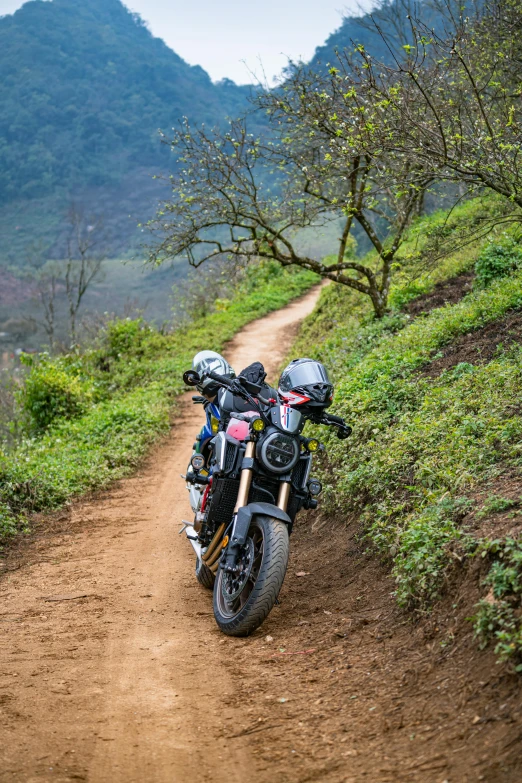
434	437
86	418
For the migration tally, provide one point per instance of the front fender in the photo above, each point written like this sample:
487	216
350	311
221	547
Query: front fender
244	517
267	510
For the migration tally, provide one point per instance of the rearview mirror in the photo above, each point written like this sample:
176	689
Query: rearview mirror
251	388
191	378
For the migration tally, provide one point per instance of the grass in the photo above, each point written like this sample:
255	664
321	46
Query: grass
90	417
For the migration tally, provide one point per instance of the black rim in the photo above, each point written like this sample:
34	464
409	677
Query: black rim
234	590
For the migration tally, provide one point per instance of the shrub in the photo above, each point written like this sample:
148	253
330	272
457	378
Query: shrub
497	259
50	393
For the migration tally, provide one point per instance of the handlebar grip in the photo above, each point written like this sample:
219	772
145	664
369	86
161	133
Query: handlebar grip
335	419
220	378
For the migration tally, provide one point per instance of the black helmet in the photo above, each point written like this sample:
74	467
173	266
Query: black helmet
305	383
210	361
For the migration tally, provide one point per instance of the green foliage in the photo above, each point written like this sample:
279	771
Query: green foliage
496	260
50	393
94	415
495	504
499	618
423	549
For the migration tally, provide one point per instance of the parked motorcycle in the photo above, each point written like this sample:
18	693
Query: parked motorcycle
247	492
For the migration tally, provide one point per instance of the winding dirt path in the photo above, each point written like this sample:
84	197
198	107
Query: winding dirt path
111	665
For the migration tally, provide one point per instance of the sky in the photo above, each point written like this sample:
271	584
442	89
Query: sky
233	38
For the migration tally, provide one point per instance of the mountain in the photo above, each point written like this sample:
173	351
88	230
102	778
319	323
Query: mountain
84	87
390	16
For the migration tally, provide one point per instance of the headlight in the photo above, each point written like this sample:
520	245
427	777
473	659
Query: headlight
313	445
278	452
314	487
214	424
258	425
197	461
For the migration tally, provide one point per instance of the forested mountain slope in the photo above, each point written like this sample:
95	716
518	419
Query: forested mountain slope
84	87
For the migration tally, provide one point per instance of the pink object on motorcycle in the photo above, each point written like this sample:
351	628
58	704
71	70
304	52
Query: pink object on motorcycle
239	429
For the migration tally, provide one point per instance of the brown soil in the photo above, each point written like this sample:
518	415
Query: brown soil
447	292
371	695
480	346
112	668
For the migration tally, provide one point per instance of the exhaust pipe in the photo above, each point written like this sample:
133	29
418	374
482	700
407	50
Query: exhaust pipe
193	538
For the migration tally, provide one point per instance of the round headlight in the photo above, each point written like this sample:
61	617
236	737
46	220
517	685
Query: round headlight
314	487
258	425
197	461
278	452
313	445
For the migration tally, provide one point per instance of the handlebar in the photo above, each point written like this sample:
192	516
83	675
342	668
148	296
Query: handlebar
331	419
236	387
220	378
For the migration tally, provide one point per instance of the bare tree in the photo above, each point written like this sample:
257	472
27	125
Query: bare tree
47	287
68	279
241	197
453	99
84	262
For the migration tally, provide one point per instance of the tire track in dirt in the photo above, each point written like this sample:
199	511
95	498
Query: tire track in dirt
123	677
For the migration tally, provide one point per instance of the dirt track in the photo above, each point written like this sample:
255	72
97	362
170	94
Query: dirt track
111	666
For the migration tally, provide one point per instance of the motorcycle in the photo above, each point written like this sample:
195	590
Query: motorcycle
245	495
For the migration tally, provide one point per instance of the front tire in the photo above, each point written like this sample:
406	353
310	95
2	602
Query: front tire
242	615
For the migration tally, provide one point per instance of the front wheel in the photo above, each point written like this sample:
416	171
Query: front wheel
243	600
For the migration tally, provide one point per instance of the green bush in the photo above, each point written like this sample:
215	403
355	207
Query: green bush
50	393
497	259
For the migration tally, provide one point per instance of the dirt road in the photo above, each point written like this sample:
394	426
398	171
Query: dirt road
111	665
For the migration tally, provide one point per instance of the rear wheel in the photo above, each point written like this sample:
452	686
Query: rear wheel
243	600
204	575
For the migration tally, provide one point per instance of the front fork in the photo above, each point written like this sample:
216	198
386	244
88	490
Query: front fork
246	482
213	553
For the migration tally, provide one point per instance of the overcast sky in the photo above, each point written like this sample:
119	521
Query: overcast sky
220	35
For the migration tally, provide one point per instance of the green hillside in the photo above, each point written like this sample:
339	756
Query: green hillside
432	471
84	87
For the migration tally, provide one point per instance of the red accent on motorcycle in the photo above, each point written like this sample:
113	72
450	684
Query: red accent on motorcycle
292	398
205	495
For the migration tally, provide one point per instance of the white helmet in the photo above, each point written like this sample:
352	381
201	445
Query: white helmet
210	361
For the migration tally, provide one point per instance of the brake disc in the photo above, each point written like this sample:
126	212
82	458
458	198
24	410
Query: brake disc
232	585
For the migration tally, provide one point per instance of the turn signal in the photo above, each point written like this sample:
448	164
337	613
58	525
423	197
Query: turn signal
214	423
313	445
258	425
